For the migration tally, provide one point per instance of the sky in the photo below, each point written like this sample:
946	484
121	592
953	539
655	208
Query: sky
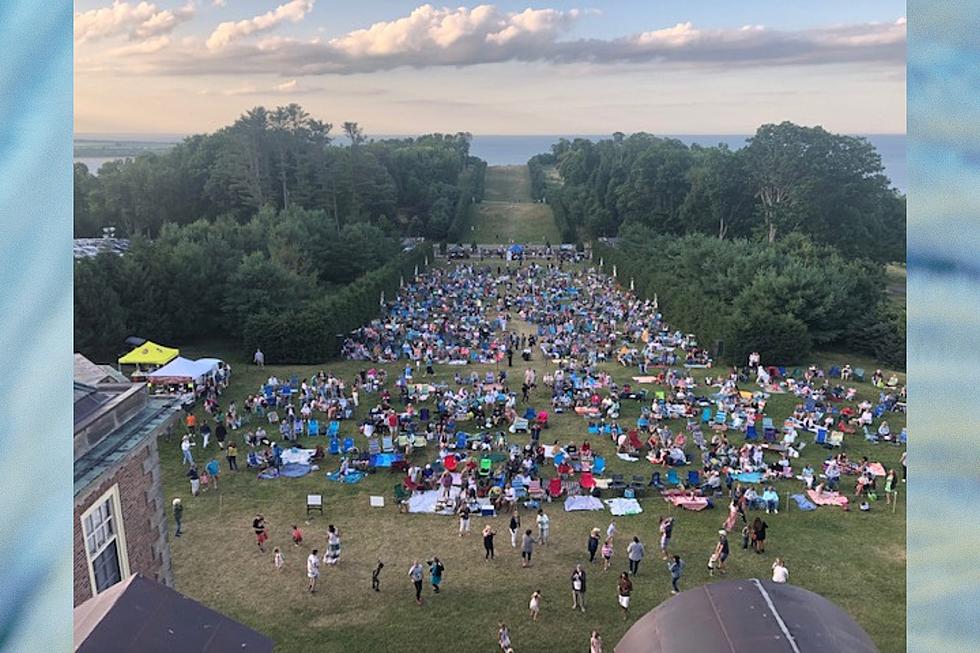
559	67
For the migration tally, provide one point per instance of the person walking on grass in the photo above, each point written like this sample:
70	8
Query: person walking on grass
891	489
332	554
635	553
544	527
527	548
503	638
313	570
376	576
178	515
213	469
720	554
759	535
593	544
488	534
435	573
277	559
611	530
595	642
515	525
231	455
607	552
297	535
534	607
195	479
185	449
625	586
666	528
578	588
416	572
676	568
261	534
464	520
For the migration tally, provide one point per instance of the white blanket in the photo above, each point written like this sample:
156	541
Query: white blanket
301	456
426	502
626	457
582	503
620	506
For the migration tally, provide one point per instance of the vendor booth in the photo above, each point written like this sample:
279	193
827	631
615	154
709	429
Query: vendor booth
148	357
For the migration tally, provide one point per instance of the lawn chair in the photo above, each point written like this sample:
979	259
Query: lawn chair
387	445
767	423
751	434
334	447
720	418
294	381
706	414
373	446
599	466
424	415
821	436
313	428
858	374
460	443
297	428
655	481
419	441
314	502
530	414
769	434
520	424
903	437
834	372
485	466
273	417
401	497
593	428
542	419
555	490
868	435
348	445
586	481
535	491
836	439
660	395
333	429
617	483
639	486
693	478
672	478
403	440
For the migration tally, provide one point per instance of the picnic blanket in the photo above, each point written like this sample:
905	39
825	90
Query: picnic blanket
353	476
385	459
294	470
645	379
802	502
627	457
877	469
620	506
748	477
586	411
828	499
297	455
268	474
582	503
426	502
684	501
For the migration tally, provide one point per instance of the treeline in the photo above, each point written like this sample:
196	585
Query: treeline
471	187
551	193
783	300
284	159
207	279
787	180
314	331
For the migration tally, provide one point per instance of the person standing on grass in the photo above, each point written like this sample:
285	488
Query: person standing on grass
464	520
593	544
891	491
676	568
720	554
611	530
297	535
905	466
625	589
206	434
220	434
195	479
527	548
607	552
435	573
534	607
232	457
635	553
178	514
488	534
595	642
415	572
376	576
515	525
332	555
277	559
261	535
578	588
780	574
213	469
185	449
544	527
503	638
313	570
666	528
759	535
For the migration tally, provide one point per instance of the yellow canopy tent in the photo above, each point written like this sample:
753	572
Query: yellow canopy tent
149	353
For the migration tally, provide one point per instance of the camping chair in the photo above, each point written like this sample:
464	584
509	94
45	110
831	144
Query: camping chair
485	465
387	445
750	433
333	429
720	418
530	414
555	490
617	483
313	428
534	489
858	373
599	466
542	419
836	439
638	485
424	415
348	445
520	424
334	448
706	415
767	423
294	381
868	435
402	440
273	417
593	428
821	436
834	372
903	437
672	478
586	481
297	428
373	446
460	440
520	492
693	478
769	434
655	481
419	441
314	502
401	497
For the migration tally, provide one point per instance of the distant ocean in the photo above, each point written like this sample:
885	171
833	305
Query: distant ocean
516	150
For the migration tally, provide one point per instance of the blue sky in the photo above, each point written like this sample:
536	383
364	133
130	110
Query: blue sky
179	66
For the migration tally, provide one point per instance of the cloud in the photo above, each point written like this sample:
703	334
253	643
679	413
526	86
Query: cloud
228	32
139	21
432	37
291	87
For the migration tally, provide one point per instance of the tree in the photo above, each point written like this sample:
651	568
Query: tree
356	136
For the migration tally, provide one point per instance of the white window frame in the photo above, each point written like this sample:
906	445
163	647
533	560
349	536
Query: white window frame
119	536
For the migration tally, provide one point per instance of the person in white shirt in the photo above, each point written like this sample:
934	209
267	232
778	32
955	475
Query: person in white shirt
780	574
544	526
313	569
185	447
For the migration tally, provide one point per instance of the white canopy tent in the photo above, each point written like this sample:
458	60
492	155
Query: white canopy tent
183	370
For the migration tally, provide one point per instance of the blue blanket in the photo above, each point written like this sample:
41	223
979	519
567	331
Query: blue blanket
268	474
803	503
352	476
294	470
749	477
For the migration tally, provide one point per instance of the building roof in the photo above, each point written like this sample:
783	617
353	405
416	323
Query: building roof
88	400
90	373
139	614
746	615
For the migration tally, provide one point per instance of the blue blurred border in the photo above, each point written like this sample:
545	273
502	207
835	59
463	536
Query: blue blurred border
944	325
35	324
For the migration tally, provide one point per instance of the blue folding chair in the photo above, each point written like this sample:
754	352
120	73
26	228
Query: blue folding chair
821	436
655	481
720	417
598	466
334	446
672	478
693	478
903	437
348	444
834	372
460	440
333	429
706	415
750	433
593	429
313	428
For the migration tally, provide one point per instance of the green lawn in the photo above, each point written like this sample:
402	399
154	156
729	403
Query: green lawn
855	559
507	213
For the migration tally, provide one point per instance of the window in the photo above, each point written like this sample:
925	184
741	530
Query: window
105	549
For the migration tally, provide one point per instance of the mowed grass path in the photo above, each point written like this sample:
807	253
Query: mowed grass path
508	214
855	559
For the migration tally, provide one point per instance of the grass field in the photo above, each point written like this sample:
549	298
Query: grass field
507	213
855	559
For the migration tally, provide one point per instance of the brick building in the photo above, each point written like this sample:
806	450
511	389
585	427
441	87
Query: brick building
120	526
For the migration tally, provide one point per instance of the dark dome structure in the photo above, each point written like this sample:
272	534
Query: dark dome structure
746	616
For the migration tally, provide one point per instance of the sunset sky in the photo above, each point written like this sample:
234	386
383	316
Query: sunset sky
669	67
